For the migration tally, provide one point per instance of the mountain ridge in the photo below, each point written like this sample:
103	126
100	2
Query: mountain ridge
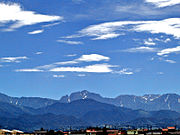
149	102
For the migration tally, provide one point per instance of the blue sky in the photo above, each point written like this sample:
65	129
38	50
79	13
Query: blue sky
111	47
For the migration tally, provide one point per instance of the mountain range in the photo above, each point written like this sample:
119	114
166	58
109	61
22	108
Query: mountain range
88	109
148	102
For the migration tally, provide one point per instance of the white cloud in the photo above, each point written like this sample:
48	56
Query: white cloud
28	70
169	50
38	53
81	75
70	42
50	25
71	55
66	62
170	61
13	12
13	59
167	40
35	32
164	3
92	57
107	36
124	71
142	49
149	42
97	68
94	68
167	60
83	58
107	30
58	76
160	73
169	26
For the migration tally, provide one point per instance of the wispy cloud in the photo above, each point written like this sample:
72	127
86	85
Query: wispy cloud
81	75
93	68
97	68
169	50
142	49
170	61
28	70
13	12
107	36
70	42
149	42
138	9
39	53
108	30
125	71
13	59
93	57
50	25
83	58
71	55
160	73
167	60
58	76
164	3
35	32
167	40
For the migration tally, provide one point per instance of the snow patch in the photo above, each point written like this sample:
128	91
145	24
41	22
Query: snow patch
166	98
69	100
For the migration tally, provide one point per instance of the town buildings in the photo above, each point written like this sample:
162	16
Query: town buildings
97	131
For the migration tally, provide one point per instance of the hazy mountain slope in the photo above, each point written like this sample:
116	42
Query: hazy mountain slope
78	108
9	110
34	122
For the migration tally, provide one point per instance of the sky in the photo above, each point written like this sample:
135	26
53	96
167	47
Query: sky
111	47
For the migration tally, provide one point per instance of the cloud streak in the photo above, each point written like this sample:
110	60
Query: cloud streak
13	59
124	71
142	49
149	42
28	70
70	42
169	50
36	32
83	58
97	68
13	12
58	76
163	3
170	26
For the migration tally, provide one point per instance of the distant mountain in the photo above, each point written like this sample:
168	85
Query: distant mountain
34	102
95	112
149	102
83	112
